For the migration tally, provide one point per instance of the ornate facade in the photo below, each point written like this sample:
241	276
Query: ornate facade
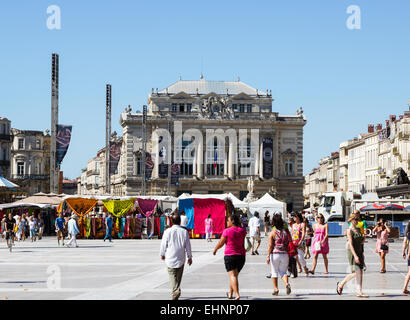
221	133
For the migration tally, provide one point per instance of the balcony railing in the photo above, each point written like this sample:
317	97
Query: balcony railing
5	137
31	177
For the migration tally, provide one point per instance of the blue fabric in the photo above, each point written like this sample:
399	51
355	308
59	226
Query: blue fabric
109	222
60	223
162	226
187	205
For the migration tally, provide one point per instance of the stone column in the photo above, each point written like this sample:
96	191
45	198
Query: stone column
231	160
199	161
261	159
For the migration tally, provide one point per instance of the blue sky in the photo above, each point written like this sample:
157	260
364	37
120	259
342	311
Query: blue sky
301	50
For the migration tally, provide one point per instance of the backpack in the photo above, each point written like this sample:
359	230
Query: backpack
292	249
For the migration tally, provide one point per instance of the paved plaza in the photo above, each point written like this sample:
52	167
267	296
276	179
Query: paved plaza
132	269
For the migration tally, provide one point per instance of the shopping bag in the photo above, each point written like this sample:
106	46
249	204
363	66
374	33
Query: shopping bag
247	244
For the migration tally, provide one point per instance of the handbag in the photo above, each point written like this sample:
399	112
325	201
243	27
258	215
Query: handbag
318	247
247	244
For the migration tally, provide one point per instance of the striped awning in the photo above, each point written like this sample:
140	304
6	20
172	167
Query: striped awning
6	183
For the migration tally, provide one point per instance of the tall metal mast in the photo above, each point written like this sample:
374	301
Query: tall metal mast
107	139
54	121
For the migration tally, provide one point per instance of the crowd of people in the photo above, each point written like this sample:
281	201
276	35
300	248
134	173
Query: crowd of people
19	228
289	245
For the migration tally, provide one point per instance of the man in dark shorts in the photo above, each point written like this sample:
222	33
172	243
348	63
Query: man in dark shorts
9	224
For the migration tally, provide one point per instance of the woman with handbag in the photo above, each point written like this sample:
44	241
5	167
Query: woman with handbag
278	256
298	237
320	243
382	244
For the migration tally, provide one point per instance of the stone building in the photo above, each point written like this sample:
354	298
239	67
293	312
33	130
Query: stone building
222	133
5	147
30	160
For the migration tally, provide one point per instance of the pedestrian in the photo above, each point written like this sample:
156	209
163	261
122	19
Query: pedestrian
309	236
59	225
184	220
40	228
175	245
406	246
292	269
355	257
32	226
108	228
382	245
73	231
235	254
244	221
19	228
209	226
267	223
255	232
320	242
24	227
10	224
298	237
278	256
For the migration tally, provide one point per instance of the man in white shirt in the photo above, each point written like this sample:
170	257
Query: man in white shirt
184	220
174	245
255	232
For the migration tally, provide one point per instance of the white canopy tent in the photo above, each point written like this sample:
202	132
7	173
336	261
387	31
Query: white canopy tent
267	203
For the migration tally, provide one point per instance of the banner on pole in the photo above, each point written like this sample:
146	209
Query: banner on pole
115	153
149	166
62	142
174	174
267	158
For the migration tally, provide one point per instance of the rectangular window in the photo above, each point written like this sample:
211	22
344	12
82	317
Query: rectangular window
241	108
174	107
38	144
20	168
21	143
181	107
189	107
235	107
249	108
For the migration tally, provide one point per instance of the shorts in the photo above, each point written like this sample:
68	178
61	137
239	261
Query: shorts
308	242
408	262
279	263
60	234
9	235
257	238
234	262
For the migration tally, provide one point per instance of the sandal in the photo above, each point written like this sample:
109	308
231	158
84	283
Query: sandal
288	290
338	289
311	272
275	293
237	298
228	296
362	295
405	291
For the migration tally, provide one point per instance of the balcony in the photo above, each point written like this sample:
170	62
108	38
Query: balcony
5	137
93	173
31	177
4	163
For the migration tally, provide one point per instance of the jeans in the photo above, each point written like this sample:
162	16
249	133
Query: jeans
108	234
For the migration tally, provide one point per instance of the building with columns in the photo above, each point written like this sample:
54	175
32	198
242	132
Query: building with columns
5	147
222	133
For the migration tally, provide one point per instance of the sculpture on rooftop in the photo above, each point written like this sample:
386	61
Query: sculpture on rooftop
216	108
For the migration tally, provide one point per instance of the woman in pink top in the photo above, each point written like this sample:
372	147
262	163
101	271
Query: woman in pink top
209	226
233	238
320	243
382	244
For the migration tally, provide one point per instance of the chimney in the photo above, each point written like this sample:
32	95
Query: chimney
392	118
370	128
379	127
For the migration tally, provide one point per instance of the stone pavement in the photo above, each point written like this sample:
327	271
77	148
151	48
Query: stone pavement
132	269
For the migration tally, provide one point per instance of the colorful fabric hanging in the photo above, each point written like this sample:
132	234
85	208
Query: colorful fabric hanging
122	226
127	227
147	206
187	205
93	234
138	227
204	207
162	226
80	206
118	207
88	222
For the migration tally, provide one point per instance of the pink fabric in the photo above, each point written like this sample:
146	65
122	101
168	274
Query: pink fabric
235	237
208	225
147	206
204	207
320	234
